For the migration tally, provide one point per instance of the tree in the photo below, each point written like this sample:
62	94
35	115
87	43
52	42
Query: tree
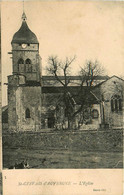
91	71
88	75
57	68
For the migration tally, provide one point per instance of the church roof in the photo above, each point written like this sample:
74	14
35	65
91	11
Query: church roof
24	34
77	93
48	81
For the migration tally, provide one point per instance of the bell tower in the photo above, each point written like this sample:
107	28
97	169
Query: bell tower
25	53
24	85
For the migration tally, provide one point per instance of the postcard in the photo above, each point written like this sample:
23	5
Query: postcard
62	97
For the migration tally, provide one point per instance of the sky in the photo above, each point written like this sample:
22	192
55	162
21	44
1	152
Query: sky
88	29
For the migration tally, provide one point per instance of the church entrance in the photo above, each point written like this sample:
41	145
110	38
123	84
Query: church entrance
51	122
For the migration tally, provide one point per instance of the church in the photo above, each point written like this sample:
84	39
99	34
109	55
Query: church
32	98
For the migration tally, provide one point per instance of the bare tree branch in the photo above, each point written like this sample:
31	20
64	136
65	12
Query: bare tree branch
88	75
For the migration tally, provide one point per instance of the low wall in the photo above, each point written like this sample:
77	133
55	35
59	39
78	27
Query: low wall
81	140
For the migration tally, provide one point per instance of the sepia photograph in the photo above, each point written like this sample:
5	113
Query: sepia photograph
62	84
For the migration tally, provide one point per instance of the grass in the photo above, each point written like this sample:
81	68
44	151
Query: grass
86	149
63	158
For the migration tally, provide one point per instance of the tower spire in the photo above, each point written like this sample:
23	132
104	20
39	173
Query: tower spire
24	15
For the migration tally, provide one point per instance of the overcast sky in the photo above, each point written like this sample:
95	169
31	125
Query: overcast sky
89	30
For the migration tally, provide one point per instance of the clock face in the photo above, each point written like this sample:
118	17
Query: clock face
24	45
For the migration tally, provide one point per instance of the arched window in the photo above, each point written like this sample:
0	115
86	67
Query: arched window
120	104
28	65
112	105
95	114
27	113
21	61
116	103
21	66
28	61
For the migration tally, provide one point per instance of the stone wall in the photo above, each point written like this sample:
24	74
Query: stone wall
80	140
20	99
105	91
31	53
113	86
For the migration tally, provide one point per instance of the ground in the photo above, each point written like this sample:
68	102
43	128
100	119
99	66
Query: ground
63	158
86	149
